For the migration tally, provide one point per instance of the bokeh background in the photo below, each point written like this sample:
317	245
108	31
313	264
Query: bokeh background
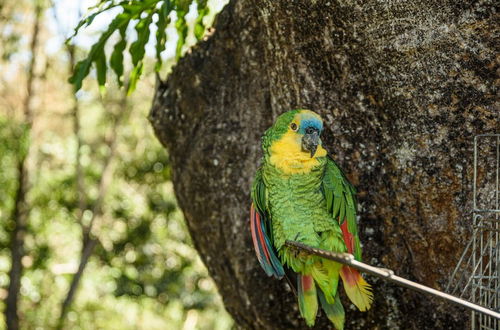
97	185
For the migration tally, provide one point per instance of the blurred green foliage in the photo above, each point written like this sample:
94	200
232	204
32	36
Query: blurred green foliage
144	272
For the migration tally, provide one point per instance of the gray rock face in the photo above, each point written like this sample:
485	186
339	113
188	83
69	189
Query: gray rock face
403	87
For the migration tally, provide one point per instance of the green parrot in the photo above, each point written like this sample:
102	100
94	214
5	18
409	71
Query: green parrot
300	194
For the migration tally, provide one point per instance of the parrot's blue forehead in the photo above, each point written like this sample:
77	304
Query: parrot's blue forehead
308	120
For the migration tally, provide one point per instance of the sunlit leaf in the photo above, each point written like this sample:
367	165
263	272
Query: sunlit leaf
89	19
83	67
182	31
161	33
199	27
138	47
139	13
134	77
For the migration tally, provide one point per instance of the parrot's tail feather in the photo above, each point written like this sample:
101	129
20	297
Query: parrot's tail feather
325	279
358	291
308	300
333	276
320	276
335	311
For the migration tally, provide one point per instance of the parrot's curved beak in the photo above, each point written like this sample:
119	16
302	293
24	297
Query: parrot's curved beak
310	141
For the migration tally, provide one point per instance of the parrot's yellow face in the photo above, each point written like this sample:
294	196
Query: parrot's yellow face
298	150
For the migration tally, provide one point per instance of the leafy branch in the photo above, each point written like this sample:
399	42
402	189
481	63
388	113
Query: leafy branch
142	14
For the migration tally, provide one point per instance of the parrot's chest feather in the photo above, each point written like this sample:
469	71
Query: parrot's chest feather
296	200
297	205
297	186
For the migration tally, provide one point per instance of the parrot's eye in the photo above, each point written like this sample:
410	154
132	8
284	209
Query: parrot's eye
293	126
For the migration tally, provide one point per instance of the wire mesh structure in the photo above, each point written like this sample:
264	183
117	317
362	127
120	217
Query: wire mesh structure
477	274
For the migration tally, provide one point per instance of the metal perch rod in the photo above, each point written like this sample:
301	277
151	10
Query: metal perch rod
387	274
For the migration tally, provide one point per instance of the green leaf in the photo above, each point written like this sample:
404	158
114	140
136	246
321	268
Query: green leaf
100	66
132	10
161	33
83	67
116	60
182	31
139	6
199	27
199	30
142	12
182	8
138	47
134	77
89	19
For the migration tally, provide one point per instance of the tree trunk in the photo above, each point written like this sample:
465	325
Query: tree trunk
88	248
403	88
20	212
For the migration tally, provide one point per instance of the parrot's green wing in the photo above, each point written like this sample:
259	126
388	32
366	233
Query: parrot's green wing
260	225
340	198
